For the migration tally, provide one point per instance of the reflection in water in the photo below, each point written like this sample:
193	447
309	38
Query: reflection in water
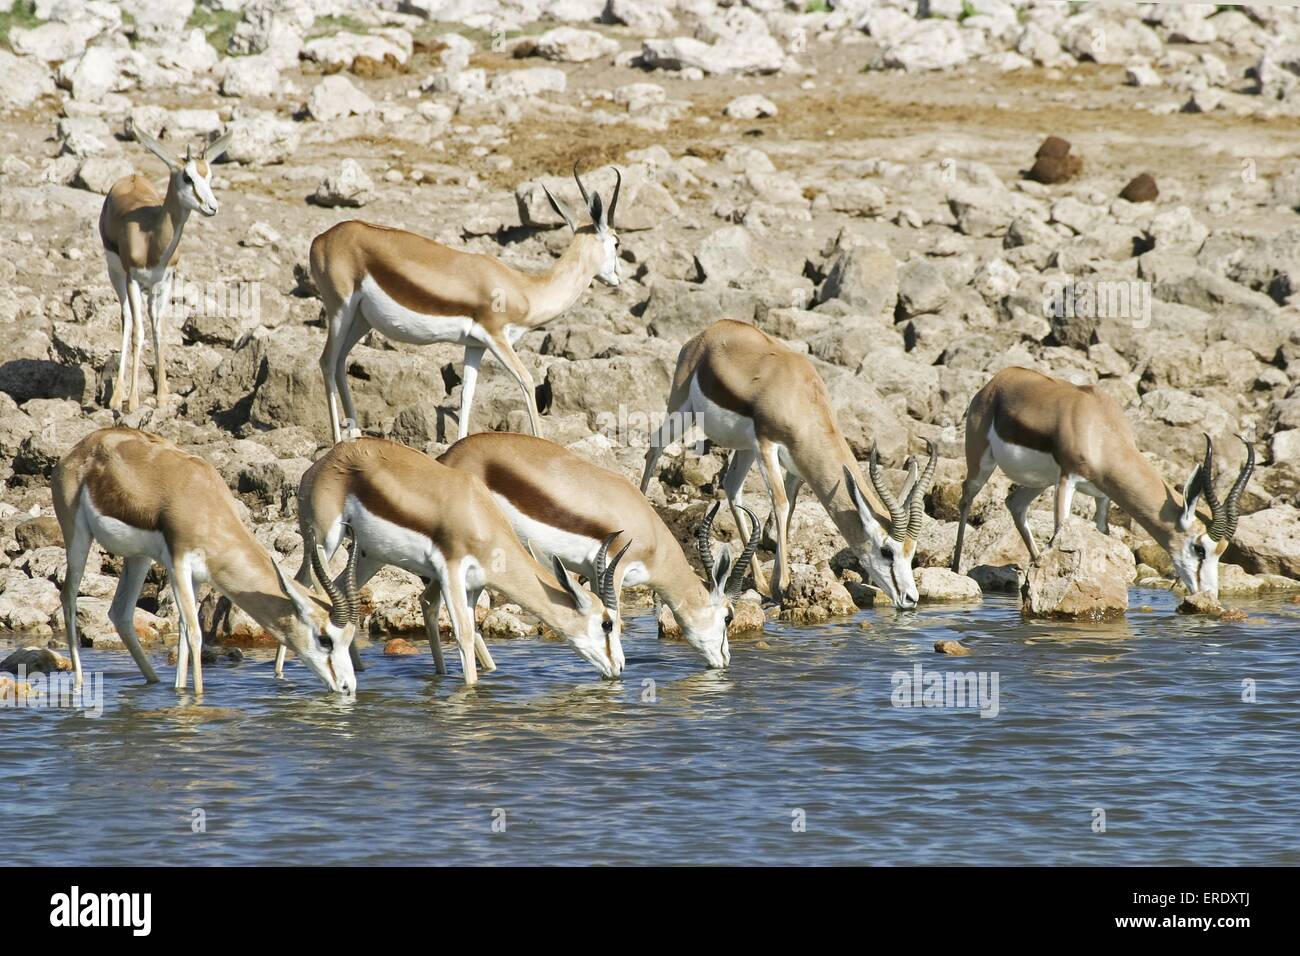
1147	716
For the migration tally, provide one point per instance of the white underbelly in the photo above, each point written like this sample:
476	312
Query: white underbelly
577	551
394	321
1029	467
384	542
118	537
723	427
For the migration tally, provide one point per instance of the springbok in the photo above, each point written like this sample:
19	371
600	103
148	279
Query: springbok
141	233
408	510
565	508
144	499
1042	431
414	290
751	393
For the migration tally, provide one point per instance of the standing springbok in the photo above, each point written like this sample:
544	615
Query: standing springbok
1042	431
408	510
412	289
144	499
750	392
141	233
565	508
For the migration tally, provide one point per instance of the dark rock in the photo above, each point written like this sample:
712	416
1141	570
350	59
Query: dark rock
1141	189
42	532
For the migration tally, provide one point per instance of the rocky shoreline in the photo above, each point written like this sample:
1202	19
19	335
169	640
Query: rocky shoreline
879	192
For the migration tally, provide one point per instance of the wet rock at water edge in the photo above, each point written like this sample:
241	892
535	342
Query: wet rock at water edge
814	594
35	660
941	584
1142	188
12	691
400	647
1083	577
952	648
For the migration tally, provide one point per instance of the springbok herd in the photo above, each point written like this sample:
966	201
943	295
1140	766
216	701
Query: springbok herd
526	517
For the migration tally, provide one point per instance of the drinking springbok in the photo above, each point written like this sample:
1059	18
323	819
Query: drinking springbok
414	290
750	392
144	499
141	233
565	508
408	510
1043	431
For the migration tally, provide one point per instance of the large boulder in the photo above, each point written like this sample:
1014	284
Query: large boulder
1268	542
1084	577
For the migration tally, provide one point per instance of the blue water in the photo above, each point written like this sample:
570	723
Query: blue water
794	755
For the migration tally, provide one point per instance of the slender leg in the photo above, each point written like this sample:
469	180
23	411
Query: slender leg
1064	498
468	379
769	466
122	612
670	430
462	621
504	353
430	601
159	303
733	485
970	489
118	278
137	341
1103	515
792	485
78	547
188	610
356	331
338	320
480	646
1018	503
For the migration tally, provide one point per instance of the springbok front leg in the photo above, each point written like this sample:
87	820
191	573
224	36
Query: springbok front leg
159	305
118	277
769	466
504	353
1064	498
191	633
1018	503
480	646
733	486
338	323
468	379
462	620
122	612
430	601
1103	515
137	342
78	548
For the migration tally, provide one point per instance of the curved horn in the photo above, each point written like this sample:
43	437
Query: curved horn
560	210
613	203
339	615
586	198
897	514
702	541
605	570
1205	482
916	499
350	577
737	575
1232	503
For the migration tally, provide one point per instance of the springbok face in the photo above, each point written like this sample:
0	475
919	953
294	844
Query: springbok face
886	553
601	228
323	637
597	633
191	178
705	628
1194	548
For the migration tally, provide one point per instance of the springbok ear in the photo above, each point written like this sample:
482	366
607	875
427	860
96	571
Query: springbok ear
300	604
215	150
1191	496
571	586
151	144
597	211
721	568
855	495
559	210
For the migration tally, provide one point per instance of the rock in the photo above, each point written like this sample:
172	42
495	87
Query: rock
813	594
250	76
747	618
349	186
1142	188
505	622
996	578
40	532
570	45
755	53
645	17
750	107
1085	576
25	81
35	660
933	44
941	584
952	648
262	138
1177	230
530	82
864	277
363	53
1200	603
99	173
400	647
273	27
335	97
1053	163
922	287
12	691
1268	542
28	604
725	254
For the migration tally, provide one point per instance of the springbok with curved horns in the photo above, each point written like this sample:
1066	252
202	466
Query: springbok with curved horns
751	393
1042	431
141	233
144	499
408	510
565	508
414	290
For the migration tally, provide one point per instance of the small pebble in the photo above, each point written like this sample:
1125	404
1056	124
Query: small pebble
952	648
400	647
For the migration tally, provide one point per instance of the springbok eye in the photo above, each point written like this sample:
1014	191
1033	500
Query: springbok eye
887	554
326	642
1199	551
607	626
730	617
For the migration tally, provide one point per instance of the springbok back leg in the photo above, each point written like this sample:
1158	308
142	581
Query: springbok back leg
733	486
1018	503
468	379
504	353
1103	515
480	646
122	612
78	548
430	601
338	319
769	466
462	621
118	278
137	341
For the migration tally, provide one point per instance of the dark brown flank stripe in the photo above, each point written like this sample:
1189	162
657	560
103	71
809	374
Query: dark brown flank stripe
407	292
392	508
717	392
1016	432
536	503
